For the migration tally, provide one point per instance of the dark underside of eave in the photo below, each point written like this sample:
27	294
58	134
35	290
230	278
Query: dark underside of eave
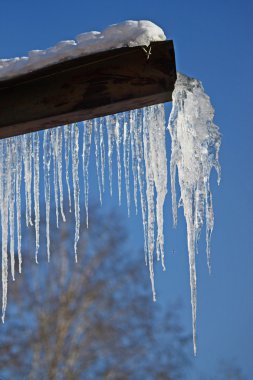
87	87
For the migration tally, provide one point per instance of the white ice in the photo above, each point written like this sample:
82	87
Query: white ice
195	148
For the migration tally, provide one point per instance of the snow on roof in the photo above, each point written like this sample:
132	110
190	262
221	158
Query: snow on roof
127	33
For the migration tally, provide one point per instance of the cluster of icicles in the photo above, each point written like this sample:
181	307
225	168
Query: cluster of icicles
138	138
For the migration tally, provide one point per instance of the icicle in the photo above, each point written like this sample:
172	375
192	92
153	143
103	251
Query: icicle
126	157
27	158
98	157
75	176
67	140
54	145
209	225
5	179
173	167
102	152
150	196
47	165
59	168
137	135
18	197
11	188
118	143
195	147
110	125
36	188
86	157
134	158
159	165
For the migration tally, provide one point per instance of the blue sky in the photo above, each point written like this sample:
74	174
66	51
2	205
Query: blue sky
213	42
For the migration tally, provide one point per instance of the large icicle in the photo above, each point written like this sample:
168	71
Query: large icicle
138	141
126	157
27	157
18	197
132	121
47	167
59	168
11	173
150	195
54	144
102	151
159	166
36	189
5	188
75	176
98	156
118	127
156	179
110	126
195	147
86	157
67	147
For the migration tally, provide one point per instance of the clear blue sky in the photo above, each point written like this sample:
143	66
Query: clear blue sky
213	42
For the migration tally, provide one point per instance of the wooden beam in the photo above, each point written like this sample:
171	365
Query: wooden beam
86	87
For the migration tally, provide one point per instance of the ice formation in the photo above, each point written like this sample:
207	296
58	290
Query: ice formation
127	33
140	134
136	138
195	148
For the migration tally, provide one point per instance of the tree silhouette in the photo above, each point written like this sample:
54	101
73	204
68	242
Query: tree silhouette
94	319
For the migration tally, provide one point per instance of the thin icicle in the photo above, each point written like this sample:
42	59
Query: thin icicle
67	147
191	238
102	151
159	165
54	144
97	156
110	126
126	157
5	178
209	225
59	169
27	159
194	151
18	197
75	176
11	188
87	132
36	189
47	165
117	132
132	122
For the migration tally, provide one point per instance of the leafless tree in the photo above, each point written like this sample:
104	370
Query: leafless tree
227	370
94	319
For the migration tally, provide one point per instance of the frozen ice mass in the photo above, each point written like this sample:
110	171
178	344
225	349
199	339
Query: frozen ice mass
194	152
136	138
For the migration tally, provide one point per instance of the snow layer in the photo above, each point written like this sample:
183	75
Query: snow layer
128	33
194	152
